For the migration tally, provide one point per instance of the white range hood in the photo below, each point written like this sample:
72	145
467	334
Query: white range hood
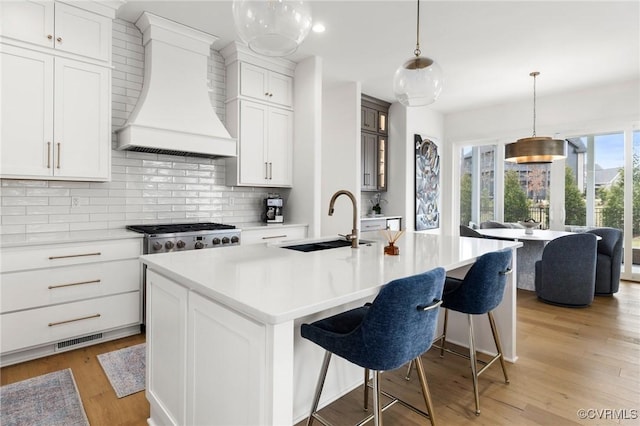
174	114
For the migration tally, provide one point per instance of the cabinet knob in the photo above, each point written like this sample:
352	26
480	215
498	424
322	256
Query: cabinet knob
266	93
49	36
270	94
59	39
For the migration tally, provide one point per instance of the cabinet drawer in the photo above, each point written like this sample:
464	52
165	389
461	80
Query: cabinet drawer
24	329
273	235
35	257
373	225
37	288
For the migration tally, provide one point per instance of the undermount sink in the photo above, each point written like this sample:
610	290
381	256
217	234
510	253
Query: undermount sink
323	245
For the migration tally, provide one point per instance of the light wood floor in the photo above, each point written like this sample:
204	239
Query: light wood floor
569	359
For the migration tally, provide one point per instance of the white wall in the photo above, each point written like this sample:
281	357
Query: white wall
340	155
304	204
403	124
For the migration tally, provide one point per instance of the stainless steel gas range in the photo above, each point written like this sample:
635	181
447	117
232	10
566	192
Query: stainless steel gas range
186	236
180	237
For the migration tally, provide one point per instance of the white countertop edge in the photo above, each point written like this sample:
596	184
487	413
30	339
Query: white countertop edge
39	238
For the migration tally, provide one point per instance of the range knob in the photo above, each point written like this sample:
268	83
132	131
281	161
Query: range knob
168	245
199	245
180	244
215	241
157	246
225	240
234	240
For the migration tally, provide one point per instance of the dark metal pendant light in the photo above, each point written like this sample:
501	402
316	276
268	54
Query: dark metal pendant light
535	149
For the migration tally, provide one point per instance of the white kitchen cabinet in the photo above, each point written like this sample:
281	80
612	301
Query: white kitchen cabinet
166	362
189	338
260	116
273	234
265	136
62	296
55	117
265	85
58	26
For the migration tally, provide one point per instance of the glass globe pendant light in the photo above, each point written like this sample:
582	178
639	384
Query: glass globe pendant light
272	27
418	81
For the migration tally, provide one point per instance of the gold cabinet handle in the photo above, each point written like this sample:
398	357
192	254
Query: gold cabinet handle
275	236
75	255
48	155
52	287
51	324
266	170
58	159
270	170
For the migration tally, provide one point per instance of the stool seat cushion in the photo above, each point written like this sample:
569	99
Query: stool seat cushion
389	332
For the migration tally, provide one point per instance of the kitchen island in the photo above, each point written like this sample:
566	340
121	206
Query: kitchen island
223	338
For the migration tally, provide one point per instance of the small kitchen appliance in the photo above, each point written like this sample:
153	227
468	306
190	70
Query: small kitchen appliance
273	209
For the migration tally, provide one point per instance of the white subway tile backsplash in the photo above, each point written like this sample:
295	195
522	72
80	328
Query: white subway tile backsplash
145	187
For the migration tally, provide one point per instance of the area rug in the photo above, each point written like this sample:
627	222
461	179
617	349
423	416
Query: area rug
125	369
50	399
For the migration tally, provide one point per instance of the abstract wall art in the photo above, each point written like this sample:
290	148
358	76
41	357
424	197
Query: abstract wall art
427	183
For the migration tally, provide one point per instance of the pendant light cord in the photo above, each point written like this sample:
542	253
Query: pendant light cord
534	75
417	51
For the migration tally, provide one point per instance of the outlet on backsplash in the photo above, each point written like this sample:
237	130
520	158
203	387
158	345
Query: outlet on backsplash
75	201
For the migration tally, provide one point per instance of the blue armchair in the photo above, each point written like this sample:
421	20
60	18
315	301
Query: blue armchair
609	260
566	275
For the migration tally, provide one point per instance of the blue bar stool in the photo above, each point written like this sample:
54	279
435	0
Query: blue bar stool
480	292
383	335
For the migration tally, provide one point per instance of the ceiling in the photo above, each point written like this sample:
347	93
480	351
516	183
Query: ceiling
486	48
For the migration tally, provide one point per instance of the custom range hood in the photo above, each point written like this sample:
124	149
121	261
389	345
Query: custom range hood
173	114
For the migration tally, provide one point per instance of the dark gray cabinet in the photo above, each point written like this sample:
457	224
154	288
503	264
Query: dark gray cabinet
374	141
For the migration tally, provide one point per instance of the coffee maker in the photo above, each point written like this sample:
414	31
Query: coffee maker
273	209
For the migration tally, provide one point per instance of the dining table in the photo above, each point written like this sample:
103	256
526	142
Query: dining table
529	253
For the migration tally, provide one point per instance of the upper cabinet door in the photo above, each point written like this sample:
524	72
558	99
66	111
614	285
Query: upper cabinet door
268	86
254	167
82	147
369	119
280	148
81	32
26	106
29	21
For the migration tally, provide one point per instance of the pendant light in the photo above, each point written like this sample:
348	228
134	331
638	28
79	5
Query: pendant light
535	149
418	81
272	27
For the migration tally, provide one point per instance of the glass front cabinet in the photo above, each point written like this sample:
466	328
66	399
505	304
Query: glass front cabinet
374	140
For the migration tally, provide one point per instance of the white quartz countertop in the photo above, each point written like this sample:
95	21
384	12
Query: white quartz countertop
21	240
273	284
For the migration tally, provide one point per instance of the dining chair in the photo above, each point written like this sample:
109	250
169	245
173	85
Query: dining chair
382	336
466	231
566	274
609	260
